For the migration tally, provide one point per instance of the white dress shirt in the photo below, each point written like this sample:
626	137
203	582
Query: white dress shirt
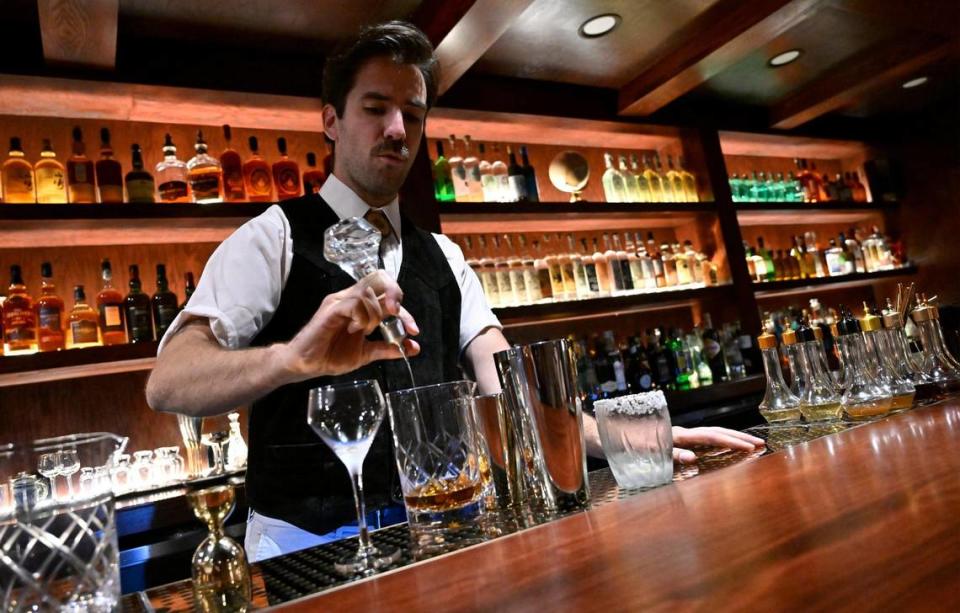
240	288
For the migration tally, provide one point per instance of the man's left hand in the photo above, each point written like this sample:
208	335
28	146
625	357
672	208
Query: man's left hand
710	437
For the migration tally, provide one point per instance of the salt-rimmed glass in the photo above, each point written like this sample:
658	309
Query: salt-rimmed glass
636	438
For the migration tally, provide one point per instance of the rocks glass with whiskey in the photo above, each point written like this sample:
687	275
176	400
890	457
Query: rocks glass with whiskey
346	417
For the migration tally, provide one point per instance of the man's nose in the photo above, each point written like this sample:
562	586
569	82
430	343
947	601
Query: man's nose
393	128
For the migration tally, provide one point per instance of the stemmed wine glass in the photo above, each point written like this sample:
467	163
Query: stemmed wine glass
346	416
69	463
49	467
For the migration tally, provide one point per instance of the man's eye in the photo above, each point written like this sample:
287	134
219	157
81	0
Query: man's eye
410	117
374	110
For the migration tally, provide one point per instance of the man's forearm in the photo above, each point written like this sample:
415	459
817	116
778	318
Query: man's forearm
195	376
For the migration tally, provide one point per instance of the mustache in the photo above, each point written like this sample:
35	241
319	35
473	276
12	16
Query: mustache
394	147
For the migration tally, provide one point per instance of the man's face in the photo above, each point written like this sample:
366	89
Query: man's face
379	134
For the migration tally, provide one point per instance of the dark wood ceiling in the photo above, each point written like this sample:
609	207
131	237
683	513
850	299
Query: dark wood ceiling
665	54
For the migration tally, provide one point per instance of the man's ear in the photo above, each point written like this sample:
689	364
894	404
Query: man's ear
330	122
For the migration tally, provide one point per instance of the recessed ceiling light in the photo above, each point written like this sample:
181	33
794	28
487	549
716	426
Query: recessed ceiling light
914	82
599	25
782	59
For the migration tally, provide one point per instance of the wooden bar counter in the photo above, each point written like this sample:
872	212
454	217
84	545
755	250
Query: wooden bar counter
868	518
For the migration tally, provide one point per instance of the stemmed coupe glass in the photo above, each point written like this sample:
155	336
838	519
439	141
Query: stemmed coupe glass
346	416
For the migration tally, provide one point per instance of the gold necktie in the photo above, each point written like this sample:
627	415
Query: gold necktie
379	220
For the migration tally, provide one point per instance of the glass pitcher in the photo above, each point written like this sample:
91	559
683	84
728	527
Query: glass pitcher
58	550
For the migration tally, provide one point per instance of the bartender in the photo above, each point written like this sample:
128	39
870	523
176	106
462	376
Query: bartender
271	318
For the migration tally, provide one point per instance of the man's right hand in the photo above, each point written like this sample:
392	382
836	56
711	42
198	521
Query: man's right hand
334	340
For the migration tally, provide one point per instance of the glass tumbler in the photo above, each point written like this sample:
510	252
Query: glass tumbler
636	438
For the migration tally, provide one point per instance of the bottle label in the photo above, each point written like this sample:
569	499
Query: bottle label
111	193
618	373
50	318
625	274
18	184
171	191
19	325
260	184
51	186
519	283
140	190
82	193
288	180
546	287
590	270
518	186
112	317
645	382
84	331
233	184
205	186
165	316
138	321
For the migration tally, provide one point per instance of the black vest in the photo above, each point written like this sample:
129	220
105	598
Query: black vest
291	474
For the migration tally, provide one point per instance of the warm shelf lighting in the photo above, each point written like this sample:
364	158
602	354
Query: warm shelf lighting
914	83
782	59
600	25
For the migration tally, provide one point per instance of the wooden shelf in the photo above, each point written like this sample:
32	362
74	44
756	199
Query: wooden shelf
794	213
789	146
484	217
76	363
75	225
608	306
773	289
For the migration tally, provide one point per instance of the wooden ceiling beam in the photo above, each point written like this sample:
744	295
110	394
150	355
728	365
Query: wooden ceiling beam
463	30
847	83
79	32
714	40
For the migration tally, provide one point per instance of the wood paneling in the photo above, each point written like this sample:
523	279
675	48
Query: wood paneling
436	18
80	32
787	531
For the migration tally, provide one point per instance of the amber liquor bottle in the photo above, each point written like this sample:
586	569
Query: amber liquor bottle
110	304
137	310
51	177
50	334
84	322
204	174
232	166
164	303
286	173
16	177
19	319
80	173
171	176
108	171
256	175
140	187
313	177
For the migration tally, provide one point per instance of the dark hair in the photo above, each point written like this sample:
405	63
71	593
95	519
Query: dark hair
403	42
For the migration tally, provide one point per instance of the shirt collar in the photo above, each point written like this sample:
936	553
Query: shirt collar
346	203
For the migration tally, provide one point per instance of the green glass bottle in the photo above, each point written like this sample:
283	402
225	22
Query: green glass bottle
442	179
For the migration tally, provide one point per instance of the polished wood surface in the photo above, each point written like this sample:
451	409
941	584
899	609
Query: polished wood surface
78	32
864	519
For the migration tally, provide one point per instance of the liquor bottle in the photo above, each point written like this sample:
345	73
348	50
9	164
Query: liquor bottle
51	177
313	177
19	317
49	307
552	260
713	350
137	310
695	261
471	166
140	187
518	182
615	359
634	263
675	179
681	372
702	368
614	189
794	190
669	265
508	293
108	171
876	252
256	175
820	400
488	273
589	268
442	179
575	258
171	179
858	188
567	273
660	358
643	186
531	279
84	322
188	288
657	193
836	260
457	172
231	166
779	405
623	261
658	272
163	303
17	175
646	263
488	183
604	271
113	328
852	246
689	182
204	174
286	173
530	176
613	263
767	259
736	185
803	178
665	185
680	260
833	188
778	189
631	188
637	368
899	389
81	187
542	269
518	280
499	170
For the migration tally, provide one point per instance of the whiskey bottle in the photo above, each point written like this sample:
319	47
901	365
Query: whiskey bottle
163	304
108	171
658	271
231	167
542	269
49	307
286	173
488	183
84	322
442	179
471	166
19	318
137	310
614	188
140	187
256	175
567	271
188	289
518	182
313	177
51	177
556	271
858	188
657	193
17	175
689	182
669	266
500	173
204	174
530	176
684	273
110	305
81	187
171	180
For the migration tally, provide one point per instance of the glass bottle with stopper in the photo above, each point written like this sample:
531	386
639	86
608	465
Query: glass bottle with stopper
353	244
938	364
863	395
903	362
791	351
820	400
899	388
779	404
